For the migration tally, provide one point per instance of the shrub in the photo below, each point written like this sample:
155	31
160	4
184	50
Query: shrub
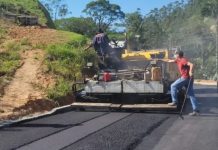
60	52
12	46
25	41
2	33
61	89
9	66
65	62
9	61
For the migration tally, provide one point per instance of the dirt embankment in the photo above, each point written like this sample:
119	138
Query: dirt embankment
25	94
36	35
24	88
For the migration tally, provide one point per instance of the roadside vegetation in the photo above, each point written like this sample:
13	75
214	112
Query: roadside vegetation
2	33
27	7
64	57
10	60
65	62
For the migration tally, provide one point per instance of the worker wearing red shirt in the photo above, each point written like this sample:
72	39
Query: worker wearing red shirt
186	70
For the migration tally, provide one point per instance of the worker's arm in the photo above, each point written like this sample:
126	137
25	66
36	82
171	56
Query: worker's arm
171	60
191	68
106	38
90	45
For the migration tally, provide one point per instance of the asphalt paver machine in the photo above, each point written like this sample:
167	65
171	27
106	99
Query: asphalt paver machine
140	81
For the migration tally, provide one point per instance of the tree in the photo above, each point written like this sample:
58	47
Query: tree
63	10
104	13
134	22
84	26
56	8
211	10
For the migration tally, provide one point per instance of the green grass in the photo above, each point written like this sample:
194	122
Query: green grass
67	61
31	7
9	66
71	38
10	61
25	41
61	89
12	46
2	32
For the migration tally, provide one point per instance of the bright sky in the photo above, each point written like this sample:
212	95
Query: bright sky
128	6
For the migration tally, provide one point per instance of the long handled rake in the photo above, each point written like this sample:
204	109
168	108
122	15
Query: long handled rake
183	104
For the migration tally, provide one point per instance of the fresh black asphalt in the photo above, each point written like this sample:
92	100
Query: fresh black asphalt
21	134
140	131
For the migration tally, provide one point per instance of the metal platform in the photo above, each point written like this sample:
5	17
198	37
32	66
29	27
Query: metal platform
124	106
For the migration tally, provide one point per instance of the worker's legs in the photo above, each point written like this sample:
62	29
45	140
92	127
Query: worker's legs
175	86
101	59
192	97
101	63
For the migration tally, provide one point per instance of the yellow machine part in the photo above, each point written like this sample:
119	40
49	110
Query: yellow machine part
147	54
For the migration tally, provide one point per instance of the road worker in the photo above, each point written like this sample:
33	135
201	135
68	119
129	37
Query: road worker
186	70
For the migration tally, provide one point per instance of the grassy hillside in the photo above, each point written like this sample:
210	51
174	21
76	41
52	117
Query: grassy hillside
64	55
30	7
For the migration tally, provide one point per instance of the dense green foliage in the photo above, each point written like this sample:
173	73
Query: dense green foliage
84	26
9	59
104	13
190	25
66	61
2	33
30	7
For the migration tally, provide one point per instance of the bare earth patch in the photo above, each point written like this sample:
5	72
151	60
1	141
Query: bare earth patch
22	93
36	35
205	82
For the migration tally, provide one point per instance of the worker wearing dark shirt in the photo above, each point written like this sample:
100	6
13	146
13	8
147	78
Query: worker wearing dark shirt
100	43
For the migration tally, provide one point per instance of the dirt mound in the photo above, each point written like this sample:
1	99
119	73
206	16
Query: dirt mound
35	34
31	107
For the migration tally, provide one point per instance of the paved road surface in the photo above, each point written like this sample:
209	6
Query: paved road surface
120	130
